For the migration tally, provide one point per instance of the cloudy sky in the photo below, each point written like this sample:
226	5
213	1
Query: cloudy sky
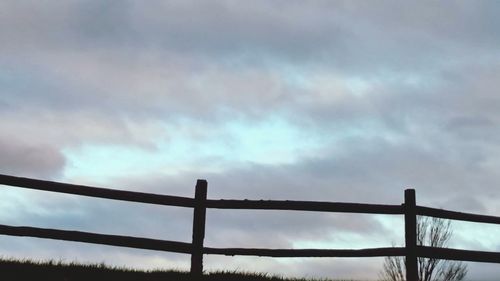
309	100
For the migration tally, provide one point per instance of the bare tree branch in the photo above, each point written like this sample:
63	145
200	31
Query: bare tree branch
432	232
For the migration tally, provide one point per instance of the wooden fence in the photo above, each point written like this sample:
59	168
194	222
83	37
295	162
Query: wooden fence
200	203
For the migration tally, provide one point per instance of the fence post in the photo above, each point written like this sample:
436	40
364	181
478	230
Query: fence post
198	229
411	235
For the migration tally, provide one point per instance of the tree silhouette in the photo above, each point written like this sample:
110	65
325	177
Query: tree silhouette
432	232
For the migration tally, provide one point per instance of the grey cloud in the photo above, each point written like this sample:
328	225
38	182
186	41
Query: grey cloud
469	127
106	77
348	34
42	127
140	89
268	229
22	157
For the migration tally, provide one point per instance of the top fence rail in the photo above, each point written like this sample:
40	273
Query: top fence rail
168	200
452	215
122	195
313	206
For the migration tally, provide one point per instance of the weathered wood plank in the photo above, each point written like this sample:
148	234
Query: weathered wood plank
458	254
97	238
199	216
411	235
99	192
452	215
306	206
290	253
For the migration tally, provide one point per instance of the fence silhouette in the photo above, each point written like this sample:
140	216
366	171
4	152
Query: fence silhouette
200	203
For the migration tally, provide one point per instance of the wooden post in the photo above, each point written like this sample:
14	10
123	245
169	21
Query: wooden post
411	235
198	229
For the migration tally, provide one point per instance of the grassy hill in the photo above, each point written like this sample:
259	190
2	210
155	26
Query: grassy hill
15	270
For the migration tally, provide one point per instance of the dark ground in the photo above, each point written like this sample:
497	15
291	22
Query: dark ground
15	270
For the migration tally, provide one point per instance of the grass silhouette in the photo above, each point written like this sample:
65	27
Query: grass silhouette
27	270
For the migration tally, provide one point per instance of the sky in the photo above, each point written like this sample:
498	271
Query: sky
348	101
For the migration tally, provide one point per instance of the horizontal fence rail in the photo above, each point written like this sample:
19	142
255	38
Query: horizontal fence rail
452	215
200	203
96	238
458	254
304	253
305	206
106	193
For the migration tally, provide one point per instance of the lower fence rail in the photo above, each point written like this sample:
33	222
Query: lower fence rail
458	254
186	248
307	253
97	238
